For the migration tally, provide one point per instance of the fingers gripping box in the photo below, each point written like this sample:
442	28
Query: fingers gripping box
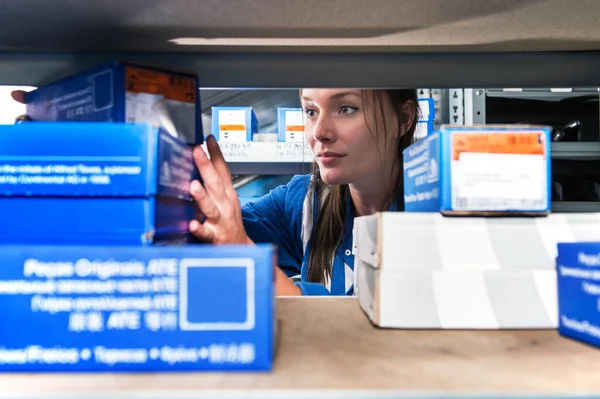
93	183
122	92
120	308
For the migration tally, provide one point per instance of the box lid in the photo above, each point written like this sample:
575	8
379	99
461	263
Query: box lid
92	159
400	241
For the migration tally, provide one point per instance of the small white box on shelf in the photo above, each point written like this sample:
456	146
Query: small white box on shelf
424	270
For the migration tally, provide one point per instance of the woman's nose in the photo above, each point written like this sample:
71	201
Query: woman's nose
323	130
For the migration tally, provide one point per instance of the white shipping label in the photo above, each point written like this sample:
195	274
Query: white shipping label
232	125
424	107
294	126
421	130
497	182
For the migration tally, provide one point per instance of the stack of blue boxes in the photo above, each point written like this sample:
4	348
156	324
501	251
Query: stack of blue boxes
99	271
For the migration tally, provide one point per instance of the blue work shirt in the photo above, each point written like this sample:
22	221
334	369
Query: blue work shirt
286	217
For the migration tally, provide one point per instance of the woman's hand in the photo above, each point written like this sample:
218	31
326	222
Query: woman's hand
220	205
217	200
18	96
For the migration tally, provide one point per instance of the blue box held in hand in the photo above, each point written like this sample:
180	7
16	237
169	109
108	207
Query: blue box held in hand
480	170
579	291
89	182
130	309
123	92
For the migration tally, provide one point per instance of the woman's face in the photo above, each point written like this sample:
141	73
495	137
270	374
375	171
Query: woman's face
343	135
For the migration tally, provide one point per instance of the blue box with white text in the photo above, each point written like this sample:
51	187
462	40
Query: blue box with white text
137	309
123	92
579	291
88	183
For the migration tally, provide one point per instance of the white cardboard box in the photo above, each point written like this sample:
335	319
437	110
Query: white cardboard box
428	271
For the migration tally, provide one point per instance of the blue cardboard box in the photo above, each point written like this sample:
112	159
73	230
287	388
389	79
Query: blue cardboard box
579	291
489	169
237	124
290	125
89	182
130	309
123	92
427	109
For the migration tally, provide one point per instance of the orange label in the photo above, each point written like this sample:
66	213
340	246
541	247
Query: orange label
172	87
499	143
232	127
294	128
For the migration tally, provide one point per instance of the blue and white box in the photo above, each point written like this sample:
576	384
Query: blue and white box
427	109
234	124
290	125
466	170
122	92
93	183
579	291
137	309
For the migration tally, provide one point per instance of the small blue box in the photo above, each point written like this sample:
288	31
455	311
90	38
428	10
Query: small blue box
122	92
579	291
427	109
93	183
234	124
137	309
468	170
290	125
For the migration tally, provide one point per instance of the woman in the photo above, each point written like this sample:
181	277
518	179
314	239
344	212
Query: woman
357	137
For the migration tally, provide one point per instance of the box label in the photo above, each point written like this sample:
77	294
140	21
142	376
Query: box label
86	159
579	291
499	171
232	125
161	99
114	310
294	126
422	175
424	105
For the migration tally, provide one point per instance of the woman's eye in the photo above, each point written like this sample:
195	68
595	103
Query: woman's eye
310	113
348	110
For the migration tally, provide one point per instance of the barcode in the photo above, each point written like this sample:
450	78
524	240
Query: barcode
490	203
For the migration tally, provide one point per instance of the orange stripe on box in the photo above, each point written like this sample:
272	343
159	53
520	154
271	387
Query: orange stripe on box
171	86
499	143
232	127
294	128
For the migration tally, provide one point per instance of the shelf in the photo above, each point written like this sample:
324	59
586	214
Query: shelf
267	158
327	70
543	94
576	151
569	207
328	349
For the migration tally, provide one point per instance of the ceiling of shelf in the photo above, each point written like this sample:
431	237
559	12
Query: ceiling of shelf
299	25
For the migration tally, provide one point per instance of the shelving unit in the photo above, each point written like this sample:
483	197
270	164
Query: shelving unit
327	348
